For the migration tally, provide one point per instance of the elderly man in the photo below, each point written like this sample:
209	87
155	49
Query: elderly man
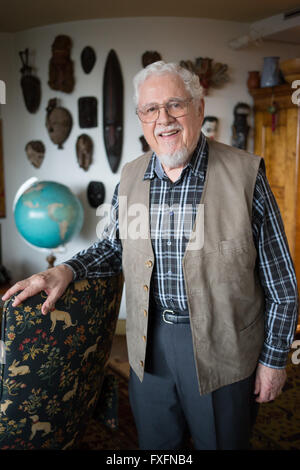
210	285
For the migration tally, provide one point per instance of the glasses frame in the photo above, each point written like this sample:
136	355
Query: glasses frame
159	106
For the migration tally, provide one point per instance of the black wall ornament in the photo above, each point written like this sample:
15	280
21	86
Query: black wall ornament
35	151
58	122
149	57
84	151
113	95
30	84
88	59
88	112
61	70
240	127
96	193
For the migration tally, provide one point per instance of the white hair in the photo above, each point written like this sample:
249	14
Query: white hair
191	80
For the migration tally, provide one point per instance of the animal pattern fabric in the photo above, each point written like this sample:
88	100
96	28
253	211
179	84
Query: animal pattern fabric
55	364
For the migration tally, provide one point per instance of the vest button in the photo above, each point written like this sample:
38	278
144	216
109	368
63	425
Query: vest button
149	263
141	363
145	313
144	338
146	288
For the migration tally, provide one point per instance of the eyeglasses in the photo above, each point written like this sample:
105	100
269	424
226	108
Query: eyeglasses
174	108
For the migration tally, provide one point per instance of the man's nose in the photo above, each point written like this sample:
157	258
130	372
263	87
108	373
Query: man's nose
164	117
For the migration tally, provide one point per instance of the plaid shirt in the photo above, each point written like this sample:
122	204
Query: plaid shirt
168	205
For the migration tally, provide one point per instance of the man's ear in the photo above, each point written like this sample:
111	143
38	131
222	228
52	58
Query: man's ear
201	107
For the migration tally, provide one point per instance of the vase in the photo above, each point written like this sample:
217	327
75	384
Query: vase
270	75
253	80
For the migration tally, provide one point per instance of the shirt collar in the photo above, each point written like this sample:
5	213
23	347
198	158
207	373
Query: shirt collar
197	164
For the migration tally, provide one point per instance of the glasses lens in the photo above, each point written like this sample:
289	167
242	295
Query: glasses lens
148	113
177	108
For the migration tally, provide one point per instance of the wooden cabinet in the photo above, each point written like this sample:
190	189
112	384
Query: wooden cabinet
280	149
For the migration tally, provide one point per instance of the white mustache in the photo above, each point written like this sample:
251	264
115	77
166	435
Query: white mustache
167	129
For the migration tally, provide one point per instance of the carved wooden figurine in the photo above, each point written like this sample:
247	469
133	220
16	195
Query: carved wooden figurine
61	75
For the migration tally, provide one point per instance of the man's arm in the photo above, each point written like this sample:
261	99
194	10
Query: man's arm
278	279
104	258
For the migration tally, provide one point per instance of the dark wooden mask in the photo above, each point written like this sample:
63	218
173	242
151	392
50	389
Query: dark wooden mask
96	193
30	84
61	70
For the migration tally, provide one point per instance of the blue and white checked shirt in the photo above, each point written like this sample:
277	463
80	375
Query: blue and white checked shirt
168	205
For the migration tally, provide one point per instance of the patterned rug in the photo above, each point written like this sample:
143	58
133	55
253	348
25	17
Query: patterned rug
277	425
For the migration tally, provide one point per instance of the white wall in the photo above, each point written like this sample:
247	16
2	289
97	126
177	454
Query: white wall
174	38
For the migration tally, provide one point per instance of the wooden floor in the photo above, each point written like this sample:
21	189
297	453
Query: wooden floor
118	356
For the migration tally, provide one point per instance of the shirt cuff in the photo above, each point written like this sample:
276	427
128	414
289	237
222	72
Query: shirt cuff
75	268
273	357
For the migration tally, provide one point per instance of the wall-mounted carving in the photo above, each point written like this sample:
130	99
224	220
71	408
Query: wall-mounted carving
149	57
35	151
30	84
113	110
210	74
84	151
58	122
88	59
240	127
88	112
95	193
61	73
210	127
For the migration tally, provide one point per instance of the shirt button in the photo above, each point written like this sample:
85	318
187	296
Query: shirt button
145	313
171	212
169	243
144	338
169	273
141	363
149	263
146	288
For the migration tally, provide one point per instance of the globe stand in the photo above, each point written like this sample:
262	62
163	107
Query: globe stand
51	259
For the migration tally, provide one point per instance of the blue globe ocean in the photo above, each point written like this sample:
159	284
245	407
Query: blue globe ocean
48	214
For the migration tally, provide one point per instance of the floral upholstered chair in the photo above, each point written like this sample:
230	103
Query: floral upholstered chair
55	364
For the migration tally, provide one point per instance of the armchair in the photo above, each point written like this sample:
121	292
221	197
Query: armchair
55	364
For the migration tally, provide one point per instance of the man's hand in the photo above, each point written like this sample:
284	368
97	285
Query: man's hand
268	383
54	282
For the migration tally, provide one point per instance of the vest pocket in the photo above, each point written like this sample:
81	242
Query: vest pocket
257	321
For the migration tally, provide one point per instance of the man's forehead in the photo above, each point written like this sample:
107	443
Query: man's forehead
156	87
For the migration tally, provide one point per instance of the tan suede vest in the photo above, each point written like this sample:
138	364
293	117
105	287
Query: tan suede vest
225	298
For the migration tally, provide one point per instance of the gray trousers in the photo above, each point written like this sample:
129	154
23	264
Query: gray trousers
167	405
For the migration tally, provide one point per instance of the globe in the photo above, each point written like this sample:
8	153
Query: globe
48	215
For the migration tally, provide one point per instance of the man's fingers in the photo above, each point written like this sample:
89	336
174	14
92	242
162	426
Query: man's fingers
12	290
27	292
50	302
257	386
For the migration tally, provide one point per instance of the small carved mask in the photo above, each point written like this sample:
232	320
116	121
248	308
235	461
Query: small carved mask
84	151
149	57
88	59
96	193
35	151
210	127
58	122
